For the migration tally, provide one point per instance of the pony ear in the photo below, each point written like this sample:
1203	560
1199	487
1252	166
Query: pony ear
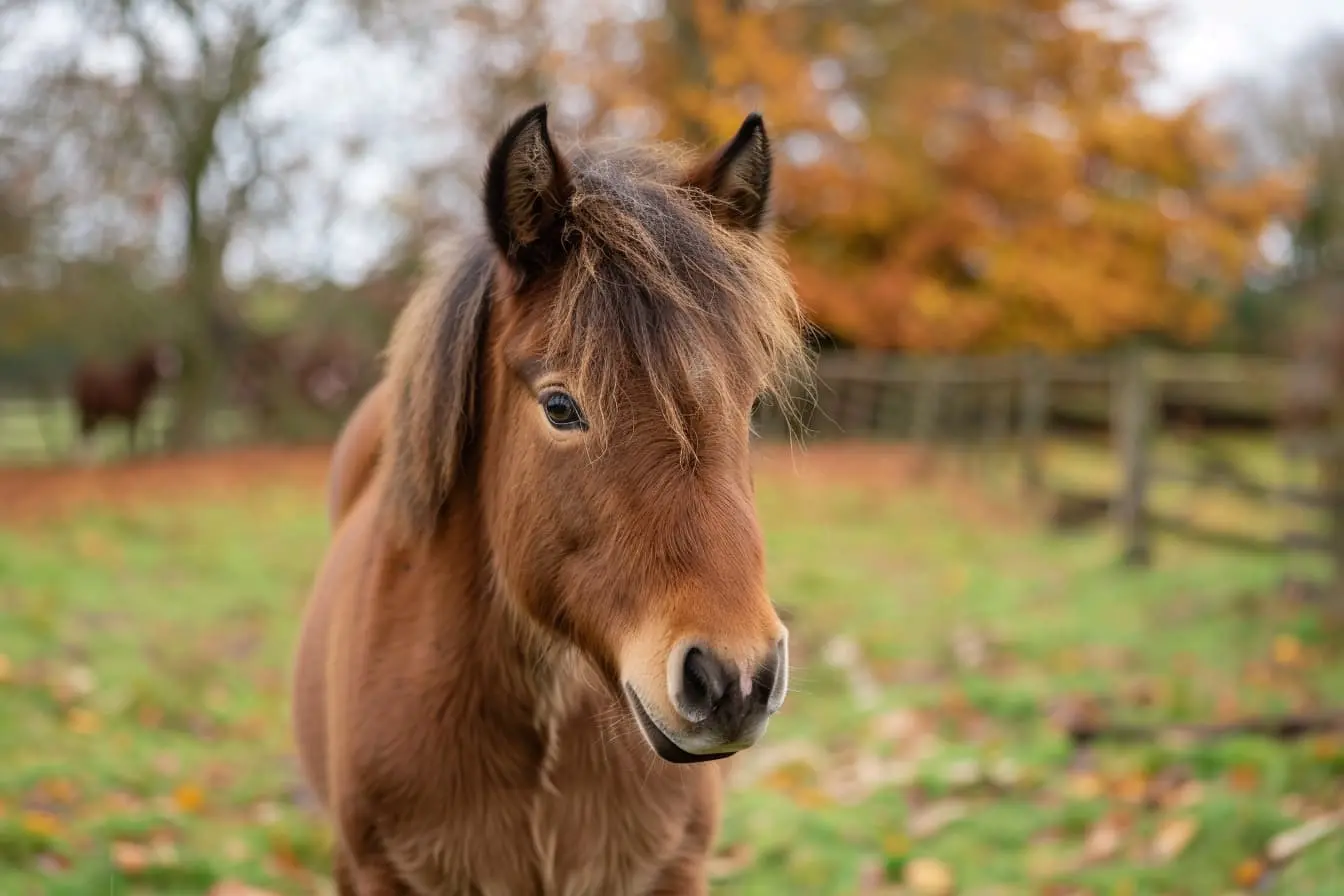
527	192
738	176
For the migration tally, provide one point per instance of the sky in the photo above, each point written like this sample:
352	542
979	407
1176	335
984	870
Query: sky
362	91
1207	41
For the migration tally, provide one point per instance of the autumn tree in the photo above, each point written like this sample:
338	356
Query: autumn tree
958	175
153	129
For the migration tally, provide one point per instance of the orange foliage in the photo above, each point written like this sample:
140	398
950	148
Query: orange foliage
955	175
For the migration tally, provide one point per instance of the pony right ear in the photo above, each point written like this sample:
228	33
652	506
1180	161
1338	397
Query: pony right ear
527	192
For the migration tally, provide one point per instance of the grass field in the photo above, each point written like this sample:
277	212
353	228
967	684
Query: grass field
147	615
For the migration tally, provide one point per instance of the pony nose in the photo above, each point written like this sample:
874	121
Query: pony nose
710	691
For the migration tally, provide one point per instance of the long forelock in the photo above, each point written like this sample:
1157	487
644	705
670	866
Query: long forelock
654	287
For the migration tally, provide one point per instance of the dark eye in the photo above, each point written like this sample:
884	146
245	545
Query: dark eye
562	411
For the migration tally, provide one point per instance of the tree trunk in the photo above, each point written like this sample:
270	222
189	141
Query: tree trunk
201	342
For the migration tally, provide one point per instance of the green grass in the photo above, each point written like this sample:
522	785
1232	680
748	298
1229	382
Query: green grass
144	730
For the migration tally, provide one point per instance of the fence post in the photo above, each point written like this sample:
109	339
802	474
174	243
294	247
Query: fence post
1132	409
928	392
1034	421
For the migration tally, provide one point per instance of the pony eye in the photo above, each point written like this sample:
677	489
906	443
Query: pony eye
562	411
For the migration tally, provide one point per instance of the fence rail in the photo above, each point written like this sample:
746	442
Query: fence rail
1019	404
1132	399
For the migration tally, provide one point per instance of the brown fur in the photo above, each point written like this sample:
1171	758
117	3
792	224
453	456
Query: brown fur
120	391
496	586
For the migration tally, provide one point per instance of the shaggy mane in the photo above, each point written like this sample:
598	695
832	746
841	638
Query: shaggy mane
652	285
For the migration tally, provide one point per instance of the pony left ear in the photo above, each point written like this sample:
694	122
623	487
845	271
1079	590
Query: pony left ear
738	176
527	191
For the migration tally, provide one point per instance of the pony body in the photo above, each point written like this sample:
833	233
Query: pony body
541	623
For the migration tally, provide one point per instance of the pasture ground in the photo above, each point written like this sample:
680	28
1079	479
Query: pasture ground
940	634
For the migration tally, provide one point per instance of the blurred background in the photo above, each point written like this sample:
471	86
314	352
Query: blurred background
1062	547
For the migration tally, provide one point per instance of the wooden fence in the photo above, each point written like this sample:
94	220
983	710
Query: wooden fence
1018	407
1124	404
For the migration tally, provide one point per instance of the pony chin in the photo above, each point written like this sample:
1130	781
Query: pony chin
659	740
643	687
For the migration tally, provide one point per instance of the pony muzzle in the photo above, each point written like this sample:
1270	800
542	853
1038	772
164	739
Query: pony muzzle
714	706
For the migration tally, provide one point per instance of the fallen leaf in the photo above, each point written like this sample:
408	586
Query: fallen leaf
789	776
1188	794
82	721
1291	842
74	683
188	798
1173	836
1326	747
1287	650
896	725
163	849
267	813
168	764
44	824
130	858
933	818
60	790
1243	778
236	849
1102	842
1132	788
1248	872
1228	706
1084	785
962	773
813	798
1006	772
895	845
6	669
929	877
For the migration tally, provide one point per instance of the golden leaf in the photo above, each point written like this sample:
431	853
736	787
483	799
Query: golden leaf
82	721
929	877
1287	650
44	824
188	798
1248	872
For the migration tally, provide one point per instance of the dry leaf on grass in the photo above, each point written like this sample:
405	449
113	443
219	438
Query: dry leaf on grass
188	798
933	818
43	824
1173	837
1103	841
1248	872
1085	786
82	721
929	877
1291	842
130	858
1287	650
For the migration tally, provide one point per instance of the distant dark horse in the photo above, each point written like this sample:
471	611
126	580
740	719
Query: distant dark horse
121	391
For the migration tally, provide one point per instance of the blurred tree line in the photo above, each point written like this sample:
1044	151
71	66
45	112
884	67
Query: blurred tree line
954	175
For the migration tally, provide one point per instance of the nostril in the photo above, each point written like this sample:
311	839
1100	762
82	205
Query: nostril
702	685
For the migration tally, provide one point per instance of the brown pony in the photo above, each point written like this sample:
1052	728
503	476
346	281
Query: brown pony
121	392
544	604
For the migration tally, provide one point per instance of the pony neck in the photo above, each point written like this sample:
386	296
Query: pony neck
516	670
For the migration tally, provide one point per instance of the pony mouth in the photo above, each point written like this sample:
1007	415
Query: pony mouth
667	749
